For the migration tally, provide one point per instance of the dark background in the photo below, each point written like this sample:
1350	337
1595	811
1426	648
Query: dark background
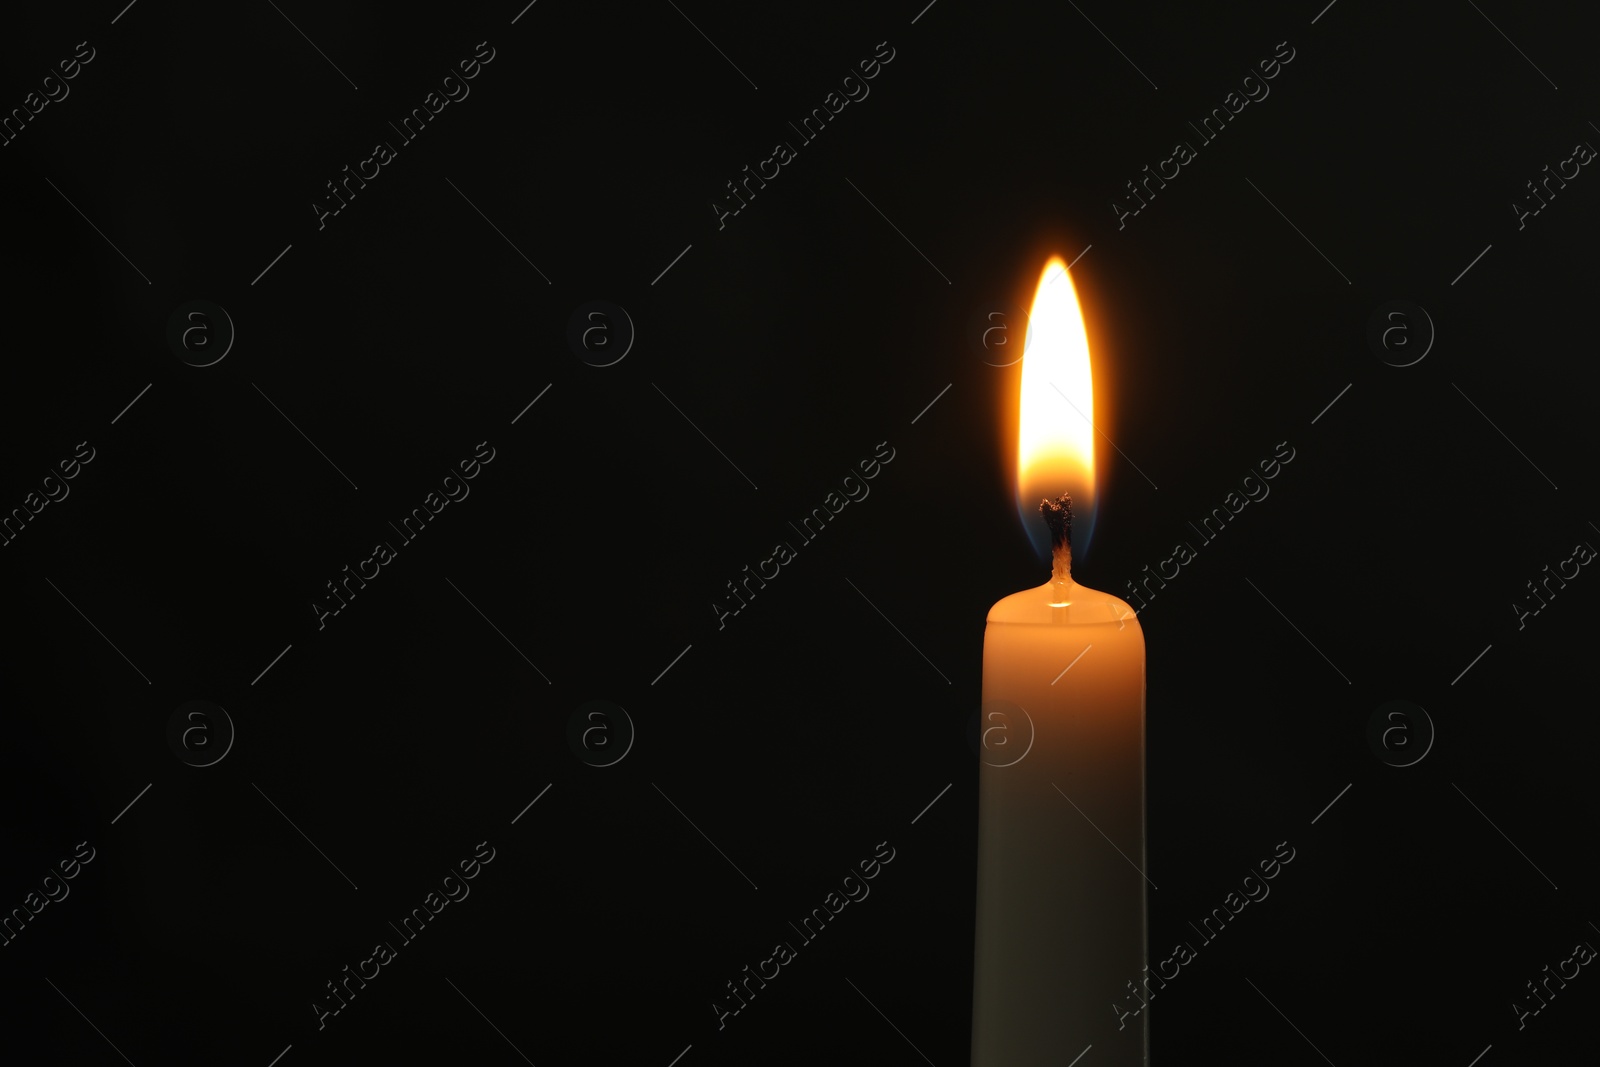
425	716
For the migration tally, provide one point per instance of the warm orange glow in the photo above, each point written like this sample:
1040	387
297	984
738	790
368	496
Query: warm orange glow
1055	434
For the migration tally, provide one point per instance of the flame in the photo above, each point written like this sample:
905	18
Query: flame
1055	429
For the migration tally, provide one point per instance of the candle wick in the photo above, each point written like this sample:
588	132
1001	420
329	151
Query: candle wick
1057	515
1061	564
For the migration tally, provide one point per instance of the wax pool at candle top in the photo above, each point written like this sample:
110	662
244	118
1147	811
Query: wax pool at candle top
1084	606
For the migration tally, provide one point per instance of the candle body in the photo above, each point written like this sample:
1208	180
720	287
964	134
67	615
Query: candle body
1061	897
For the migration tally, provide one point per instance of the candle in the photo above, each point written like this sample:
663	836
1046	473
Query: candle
1061	891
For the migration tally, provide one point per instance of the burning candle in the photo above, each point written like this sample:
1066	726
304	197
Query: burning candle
1061	889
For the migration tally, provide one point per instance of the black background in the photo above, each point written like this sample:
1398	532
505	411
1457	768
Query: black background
796	338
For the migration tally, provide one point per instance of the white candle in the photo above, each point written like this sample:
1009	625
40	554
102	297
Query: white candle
1061	893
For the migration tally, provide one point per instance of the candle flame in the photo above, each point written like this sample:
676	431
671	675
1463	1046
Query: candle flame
1055	429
